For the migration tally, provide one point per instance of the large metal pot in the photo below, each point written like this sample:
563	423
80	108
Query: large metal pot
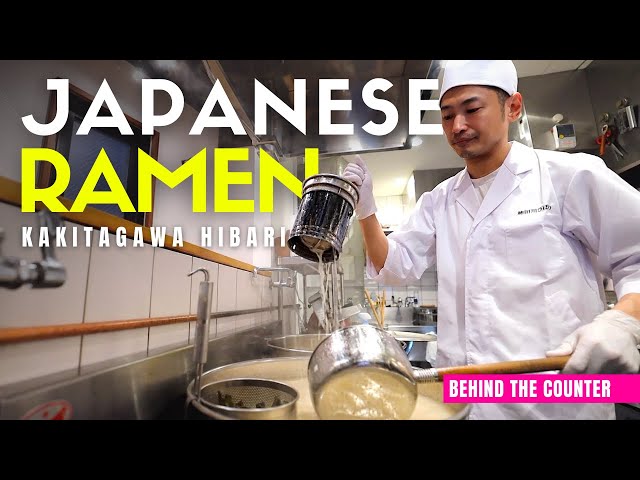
295	345
362	372
292	371
323	218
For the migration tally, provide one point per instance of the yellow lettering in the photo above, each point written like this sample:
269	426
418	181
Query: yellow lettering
48	196
117	194
310	163
224	178
196	167
270	169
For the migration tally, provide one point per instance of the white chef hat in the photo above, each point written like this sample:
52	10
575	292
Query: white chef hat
495	73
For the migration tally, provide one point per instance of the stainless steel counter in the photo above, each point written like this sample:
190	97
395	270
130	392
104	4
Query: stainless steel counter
139	390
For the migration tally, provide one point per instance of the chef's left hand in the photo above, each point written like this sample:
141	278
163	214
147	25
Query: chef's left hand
609	344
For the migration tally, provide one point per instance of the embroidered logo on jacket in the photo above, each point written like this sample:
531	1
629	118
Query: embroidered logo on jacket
534	210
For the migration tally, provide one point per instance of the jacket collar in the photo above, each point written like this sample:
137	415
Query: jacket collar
519	160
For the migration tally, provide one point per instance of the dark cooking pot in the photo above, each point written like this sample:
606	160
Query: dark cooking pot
324	216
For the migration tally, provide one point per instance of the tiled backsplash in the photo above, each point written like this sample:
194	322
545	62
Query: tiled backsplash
116	283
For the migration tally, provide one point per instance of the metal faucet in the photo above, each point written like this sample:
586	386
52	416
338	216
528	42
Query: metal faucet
289	281
47	273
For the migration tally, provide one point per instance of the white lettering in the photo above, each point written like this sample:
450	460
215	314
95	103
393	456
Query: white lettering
417	106
87	236
26	237
60	240
157	236
252	240
177	237
476	388
234	236
138	237
268	236
149	119
104	237
206	237
43	241
121	237
61	86
523	388
562	388
296	116
381	104
230	118
327	105
453	388
117	118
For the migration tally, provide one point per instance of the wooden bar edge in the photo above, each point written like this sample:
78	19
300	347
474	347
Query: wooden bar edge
28	334
10	193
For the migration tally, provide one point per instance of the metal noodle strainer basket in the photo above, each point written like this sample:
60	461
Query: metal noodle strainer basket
323	218
236	398
250	399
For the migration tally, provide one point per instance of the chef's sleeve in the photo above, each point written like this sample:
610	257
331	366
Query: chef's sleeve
602	211
412	248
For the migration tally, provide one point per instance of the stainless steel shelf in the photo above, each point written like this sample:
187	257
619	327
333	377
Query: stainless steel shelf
299	264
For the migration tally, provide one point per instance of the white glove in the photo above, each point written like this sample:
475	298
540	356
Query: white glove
609	344
358	173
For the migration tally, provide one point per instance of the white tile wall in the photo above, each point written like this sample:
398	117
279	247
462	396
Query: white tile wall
119	288
24	361
266	299
226	326
245	322
170	295
213	269
227	290
117	283
227	278
27	307
248	290
249	296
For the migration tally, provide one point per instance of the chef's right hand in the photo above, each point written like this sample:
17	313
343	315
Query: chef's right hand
358	173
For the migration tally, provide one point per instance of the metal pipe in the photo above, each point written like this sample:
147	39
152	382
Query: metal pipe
285	329
304	299
201	342
233	313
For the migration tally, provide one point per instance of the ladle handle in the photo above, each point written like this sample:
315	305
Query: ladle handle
515	366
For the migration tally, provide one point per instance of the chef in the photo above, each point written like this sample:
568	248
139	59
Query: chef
522	239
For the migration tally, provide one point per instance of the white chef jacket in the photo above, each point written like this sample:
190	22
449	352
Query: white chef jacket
520	271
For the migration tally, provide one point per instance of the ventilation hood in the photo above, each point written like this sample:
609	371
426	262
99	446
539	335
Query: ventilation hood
196	78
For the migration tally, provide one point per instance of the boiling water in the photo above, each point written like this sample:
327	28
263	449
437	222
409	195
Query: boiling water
427	405
367	393
293	372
